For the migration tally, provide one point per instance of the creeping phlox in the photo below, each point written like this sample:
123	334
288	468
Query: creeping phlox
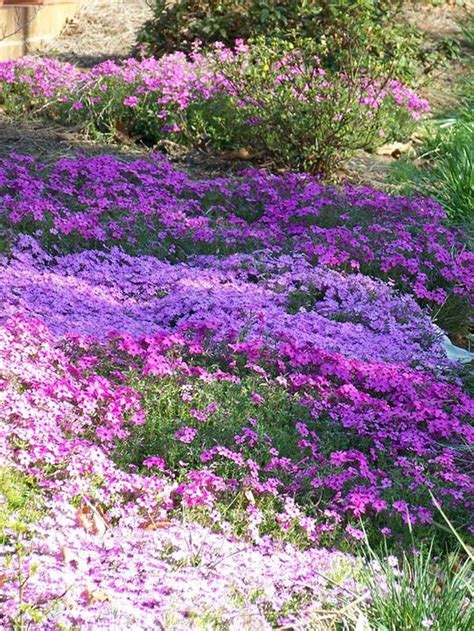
218	349
148	207
208	99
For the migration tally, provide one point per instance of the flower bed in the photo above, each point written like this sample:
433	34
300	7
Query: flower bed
201	371
207	100
148	207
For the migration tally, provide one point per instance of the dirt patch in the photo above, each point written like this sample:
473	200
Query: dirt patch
48	142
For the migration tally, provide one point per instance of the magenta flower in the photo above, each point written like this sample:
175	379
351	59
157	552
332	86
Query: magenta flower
186	434
131	101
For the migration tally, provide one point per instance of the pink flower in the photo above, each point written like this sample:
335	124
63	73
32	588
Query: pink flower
355	533
156	462
186	434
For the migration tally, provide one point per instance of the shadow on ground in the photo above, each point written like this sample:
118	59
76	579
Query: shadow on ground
47	142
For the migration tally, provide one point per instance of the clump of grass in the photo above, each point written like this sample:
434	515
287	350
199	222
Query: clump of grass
448	171
420	590
446	157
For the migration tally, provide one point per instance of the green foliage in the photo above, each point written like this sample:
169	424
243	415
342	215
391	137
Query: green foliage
171	405
18	504
446	172
305	118
454	315
375	28
467	29
289	112
420	592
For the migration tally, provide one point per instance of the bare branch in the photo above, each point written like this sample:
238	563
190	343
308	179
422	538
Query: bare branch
22	21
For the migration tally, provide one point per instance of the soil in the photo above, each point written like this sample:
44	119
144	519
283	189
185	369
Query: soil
48	142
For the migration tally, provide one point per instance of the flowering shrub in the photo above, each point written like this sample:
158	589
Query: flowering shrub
150	208
289	108
366	29
305	116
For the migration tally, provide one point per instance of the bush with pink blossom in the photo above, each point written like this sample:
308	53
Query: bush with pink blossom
305	117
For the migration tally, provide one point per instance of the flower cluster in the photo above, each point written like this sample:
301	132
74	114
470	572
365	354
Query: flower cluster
210	98
170	575
94	294
173	81
127	564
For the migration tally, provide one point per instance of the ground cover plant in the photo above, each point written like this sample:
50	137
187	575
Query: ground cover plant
306	117
220	373
104	201
227	403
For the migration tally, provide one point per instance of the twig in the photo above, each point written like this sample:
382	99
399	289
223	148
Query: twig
19	24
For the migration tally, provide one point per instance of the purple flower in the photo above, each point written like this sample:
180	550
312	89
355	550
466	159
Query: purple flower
131	101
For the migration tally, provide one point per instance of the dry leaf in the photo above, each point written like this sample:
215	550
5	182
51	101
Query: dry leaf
151	524
238	154
93	595
68	555
250	496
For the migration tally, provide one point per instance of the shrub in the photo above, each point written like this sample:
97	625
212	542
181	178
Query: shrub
372	27
285	108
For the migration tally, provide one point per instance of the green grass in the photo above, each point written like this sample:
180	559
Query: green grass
19	504
445	169
420	592
448	171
